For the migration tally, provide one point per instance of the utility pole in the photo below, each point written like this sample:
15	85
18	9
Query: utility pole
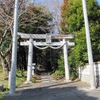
89	48
14	50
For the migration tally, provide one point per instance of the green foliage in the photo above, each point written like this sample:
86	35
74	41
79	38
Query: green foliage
35	21
73	75
76	55
0	62
75	20
75	16
72	15
60	72
33	80
61	63
47	58
20	78
5	44
19	73
2	93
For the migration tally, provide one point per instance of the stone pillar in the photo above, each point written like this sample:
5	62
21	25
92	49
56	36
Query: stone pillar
65	50
30	57
80	72
33	68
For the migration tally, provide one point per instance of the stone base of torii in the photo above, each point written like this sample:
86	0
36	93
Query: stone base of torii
43	45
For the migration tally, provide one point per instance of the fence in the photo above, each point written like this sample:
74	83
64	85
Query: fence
84	73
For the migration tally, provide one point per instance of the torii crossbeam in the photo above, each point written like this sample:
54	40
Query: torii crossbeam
43	36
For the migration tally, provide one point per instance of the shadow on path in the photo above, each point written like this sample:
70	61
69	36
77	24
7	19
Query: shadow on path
55	91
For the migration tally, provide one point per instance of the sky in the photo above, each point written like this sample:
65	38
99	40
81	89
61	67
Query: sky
98	1
43	1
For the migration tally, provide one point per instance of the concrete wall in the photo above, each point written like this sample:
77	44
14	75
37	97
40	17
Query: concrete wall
84	73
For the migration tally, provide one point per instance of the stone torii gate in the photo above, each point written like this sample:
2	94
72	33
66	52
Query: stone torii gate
43	45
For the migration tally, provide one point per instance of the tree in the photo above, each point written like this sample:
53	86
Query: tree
72	15
63	24
6	30
28	16
54	7
35	20
75	21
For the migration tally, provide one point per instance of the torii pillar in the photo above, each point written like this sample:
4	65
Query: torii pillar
65	51
30	58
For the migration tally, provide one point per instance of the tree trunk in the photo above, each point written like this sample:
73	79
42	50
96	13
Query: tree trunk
5	67
8	60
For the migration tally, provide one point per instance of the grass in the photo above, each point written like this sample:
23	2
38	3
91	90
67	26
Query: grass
58	75
33	80
2	93
19	80
3	82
